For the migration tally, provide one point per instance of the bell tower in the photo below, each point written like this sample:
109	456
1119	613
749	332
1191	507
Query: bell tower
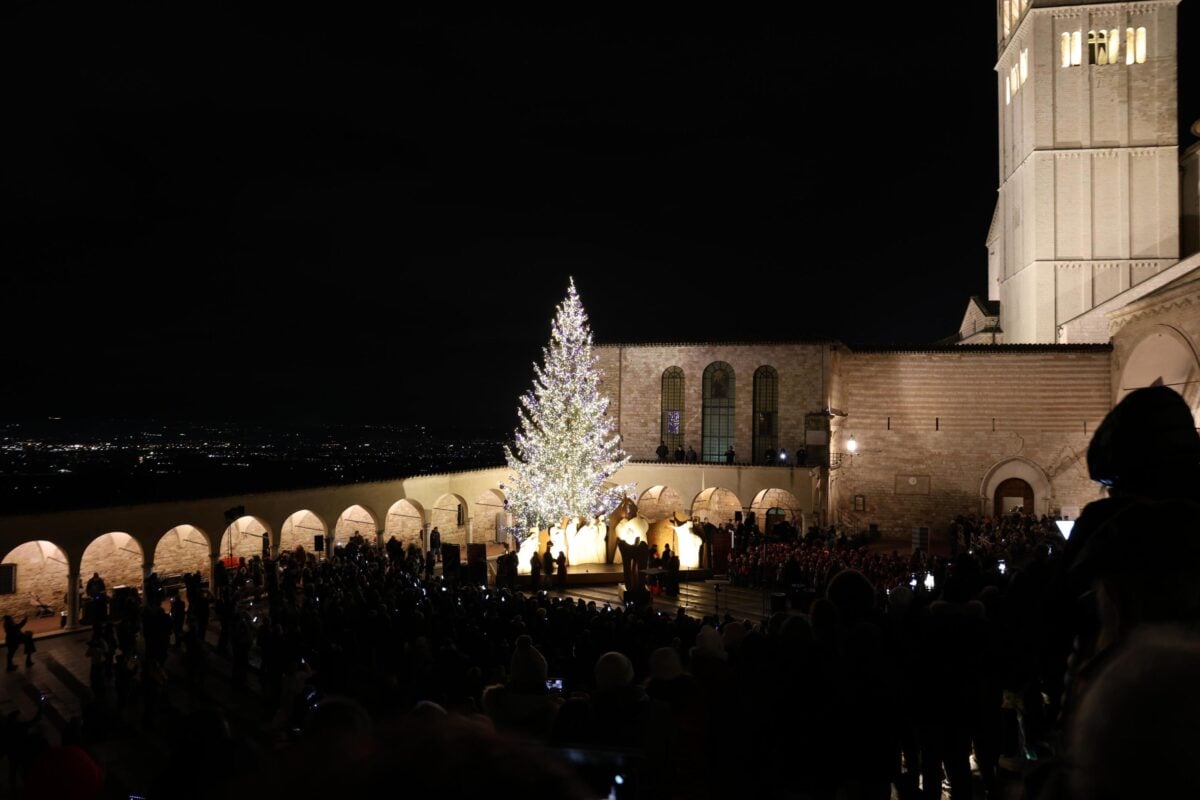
1088	204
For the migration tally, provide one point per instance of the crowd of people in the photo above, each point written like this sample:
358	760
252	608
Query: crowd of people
1018	648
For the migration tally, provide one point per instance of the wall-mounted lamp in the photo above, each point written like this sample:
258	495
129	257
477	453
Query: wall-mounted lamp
851	445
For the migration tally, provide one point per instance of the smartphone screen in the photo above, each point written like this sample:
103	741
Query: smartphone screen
554	684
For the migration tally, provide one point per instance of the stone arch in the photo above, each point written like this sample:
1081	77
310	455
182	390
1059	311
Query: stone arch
356	519
449	516
1011	494
184	548
716	505
42	574
489	516
768	499
117	557
406	521
243	538
300	530
1163	356
659	502
1016	467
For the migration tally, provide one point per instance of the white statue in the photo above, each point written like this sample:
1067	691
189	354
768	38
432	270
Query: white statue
586	545
687	546
630	530
525	552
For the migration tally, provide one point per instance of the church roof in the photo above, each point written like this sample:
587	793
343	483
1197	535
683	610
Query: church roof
714	343
983	348
994	228
990	308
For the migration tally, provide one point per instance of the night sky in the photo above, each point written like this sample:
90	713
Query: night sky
266	213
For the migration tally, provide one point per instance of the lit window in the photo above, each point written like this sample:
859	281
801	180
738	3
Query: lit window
1141	45
1064	50
1114	46
718	412
1098	47
672	408
1007	90
1024	66
766	414
1076	49
1007	21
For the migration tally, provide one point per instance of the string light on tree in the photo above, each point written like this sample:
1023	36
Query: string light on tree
566	445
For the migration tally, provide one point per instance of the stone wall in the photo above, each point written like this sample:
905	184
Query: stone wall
301	530
117	557
660	502
931	426
1157	338
444	516
487	514
183	549
406	522
355	520
1089	197
41	572
246	537
633	381
717	506
777	498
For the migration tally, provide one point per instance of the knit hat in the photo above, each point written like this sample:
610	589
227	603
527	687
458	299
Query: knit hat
732	634
527	670
709	643
613	671
1149	438
665	664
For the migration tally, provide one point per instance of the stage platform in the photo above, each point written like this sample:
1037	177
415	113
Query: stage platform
605	575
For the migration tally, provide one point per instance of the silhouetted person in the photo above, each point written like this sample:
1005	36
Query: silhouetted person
14	637
730	455
548	562
435	542
662	452
535	571
562	572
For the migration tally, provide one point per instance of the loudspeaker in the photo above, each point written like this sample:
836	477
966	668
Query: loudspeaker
8	578
477	563
450	560
319	543
737	516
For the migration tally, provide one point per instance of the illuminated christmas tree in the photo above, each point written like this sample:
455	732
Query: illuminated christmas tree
566	446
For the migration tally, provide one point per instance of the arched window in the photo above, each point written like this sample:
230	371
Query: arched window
672	408
717	433
1098	47
766	413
